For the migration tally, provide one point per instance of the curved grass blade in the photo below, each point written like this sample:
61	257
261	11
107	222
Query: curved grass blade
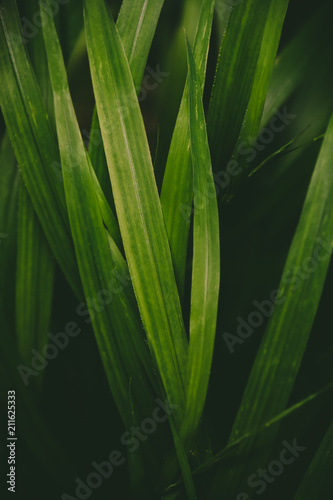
36	148
206	259
234	78
136	199
33	142
284	150
318	480
115	323
35	262
31	96
34	281
177	188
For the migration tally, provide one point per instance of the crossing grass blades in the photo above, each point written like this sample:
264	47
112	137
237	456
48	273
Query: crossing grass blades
166	232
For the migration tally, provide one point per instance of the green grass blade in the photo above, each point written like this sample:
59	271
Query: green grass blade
98	159
36	50
177	191
115	323
264	69
31	96
173	59
36	148
184	464
136	25
206	259
283	179
234	78
107	213
136	198
318	480
33	142
281	351
35	262
285	339
34	281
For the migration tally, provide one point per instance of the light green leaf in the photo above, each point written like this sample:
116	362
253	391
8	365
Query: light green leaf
136	199
98	261
136	25
206	259
36	148
177	188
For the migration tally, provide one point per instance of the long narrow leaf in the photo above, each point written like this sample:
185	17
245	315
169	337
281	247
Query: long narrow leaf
136	199
297	298
96	264
287	333
36	148
264	69
234	78
206	260
136	25
177	188
35	262
33	141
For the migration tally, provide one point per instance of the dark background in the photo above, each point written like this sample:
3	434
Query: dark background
256	232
